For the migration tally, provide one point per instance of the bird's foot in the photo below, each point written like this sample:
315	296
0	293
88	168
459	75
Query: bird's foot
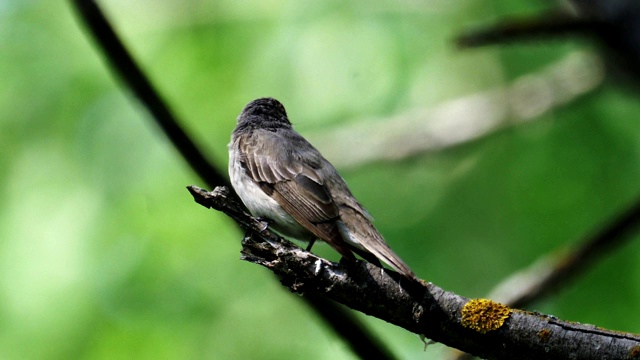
263	223
311	242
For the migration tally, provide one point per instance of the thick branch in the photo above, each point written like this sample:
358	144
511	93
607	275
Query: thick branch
480	327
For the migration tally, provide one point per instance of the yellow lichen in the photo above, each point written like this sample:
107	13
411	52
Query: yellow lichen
484	315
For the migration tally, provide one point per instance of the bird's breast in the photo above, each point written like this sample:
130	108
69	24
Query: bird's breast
262	205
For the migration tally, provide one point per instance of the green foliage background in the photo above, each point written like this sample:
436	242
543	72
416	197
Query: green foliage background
104	255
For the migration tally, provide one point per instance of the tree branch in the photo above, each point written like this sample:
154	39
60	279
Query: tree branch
480	327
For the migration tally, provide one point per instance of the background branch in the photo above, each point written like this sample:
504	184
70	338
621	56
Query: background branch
612	24
459	121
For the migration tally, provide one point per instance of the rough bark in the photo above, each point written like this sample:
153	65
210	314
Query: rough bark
477	326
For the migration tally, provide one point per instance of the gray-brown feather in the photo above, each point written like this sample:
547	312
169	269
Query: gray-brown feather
297	187
291	181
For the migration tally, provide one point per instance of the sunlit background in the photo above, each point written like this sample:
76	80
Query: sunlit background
104	254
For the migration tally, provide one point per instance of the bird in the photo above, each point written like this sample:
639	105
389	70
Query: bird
283	179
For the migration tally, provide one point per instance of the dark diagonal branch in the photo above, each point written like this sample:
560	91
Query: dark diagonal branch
351	330
128	71
478	326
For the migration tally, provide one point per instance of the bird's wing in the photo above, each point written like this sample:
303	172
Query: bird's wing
292	181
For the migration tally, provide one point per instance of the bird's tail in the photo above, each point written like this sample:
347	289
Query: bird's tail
360	233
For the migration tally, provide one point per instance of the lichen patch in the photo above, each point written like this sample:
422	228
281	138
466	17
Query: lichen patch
483	315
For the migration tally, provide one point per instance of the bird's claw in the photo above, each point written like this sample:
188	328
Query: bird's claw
263	223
